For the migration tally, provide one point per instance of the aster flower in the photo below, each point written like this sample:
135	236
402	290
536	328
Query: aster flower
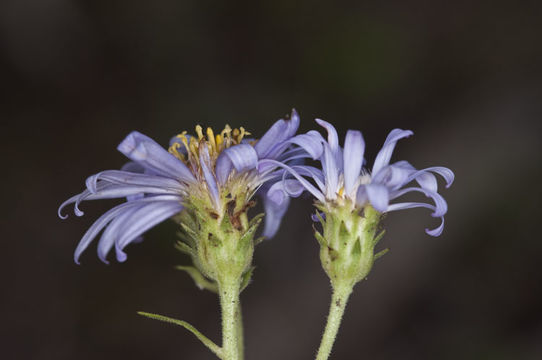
208	170
350	202
342	178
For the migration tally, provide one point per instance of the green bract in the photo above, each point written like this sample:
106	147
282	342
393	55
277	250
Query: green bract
221	245
348	241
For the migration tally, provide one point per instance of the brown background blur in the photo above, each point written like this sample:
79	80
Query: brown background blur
465	76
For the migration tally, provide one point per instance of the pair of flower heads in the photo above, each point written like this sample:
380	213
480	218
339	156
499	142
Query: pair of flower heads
207	182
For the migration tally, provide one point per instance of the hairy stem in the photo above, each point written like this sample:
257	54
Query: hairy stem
341	293
240	334
231	321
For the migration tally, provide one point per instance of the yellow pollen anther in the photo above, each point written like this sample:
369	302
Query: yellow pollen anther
341	191
226	132
199	131
215	143
173	150
211	139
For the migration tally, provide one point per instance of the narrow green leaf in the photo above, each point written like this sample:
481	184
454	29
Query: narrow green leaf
381	253
256	220
201	281
189	231
184	248
258	240
246	278
320	218
319	237
204	339
378	237
248	236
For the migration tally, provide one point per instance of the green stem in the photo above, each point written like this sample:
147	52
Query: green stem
240	335
229	303
341	292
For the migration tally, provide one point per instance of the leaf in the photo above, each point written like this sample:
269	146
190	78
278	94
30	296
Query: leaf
380	254
184	248
319	237
256	220
320	218
248	236
201	281
259	239
190	232
205	340
378	237
245	280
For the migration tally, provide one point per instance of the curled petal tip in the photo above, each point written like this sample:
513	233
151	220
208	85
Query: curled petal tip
404	133
121	256
450	180
129	142
434	232
437	231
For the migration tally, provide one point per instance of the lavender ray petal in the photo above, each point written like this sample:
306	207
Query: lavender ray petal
314	173
71	200
310	143
276	201
384	155
332	137
274	212
446	173
133	167
97	226
354	148
333	141
280	131
411	205
441	207
130	178
392	176
142	220
111	233
361	196
205	162
404	165
146	152
378	196
427	181
242	157
331	172
310	188
437	231
113	191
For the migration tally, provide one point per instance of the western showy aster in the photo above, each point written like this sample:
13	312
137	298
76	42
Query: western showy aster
343	180
205	169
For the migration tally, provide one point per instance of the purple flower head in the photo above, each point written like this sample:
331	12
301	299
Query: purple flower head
206	168
343	179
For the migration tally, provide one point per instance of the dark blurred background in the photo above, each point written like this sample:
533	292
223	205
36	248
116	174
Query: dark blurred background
465	76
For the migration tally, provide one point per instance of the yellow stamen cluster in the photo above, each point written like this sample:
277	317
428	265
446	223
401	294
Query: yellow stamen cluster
215	143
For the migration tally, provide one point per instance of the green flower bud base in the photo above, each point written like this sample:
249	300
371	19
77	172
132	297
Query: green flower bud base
347	255
221	245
